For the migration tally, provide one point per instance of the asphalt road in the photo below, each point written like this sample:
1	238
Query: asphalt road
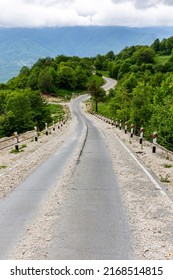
110	83
92	223
21	206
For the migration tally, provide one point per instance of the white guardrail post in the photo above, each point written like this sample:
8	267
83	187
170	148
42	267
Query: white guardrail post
125	128
16	141
141	137
46	129
35	133
154	142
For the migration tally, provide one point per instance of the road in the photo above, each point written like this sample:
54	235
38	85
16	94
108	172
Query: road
110	83
92	223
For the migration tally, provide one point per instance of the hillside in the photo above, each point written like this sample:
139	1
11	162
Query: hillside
23	46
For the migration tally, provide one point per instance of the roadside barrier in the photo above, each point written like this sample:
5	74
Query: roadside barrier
125	128
154	142
36	133
169	154
14	140
120	125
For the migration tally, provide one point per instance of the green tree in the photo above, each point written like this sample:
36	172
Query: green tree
162	122
19	106
120	104
81	77
97	93
141	105
66	77
156	45
144	54
45	81
39	108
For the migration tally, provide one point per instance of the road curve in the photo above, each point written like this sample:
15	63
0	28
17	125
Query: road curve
20	208
92	222
110	83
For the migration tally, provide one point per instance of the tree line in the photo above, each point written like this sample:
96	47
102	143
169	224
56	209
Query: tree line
144	93
22	105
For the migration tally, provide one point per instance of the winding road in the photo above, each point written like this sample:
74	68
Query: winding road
92	223
109	83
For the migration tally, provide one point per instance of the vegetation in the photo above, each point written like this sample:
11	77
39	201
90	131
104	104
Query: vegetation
143	95
56	111
21	103
21	110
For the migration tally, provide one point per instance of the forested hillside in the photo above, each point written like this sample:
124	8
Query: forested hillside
21	103
144	94
23	46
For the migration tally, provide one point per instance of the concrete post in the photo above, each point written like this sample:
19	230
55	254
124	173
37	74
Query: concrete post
46	129
53	126
120	125
35	133
141	137
131	132
125	128
16	141
154	142
116	123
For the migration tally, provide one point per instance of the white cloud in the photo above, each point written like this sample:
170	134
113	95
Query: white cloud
39	13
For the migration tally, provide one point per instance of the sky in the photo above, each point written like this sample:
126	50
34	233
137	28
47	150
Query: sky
51	13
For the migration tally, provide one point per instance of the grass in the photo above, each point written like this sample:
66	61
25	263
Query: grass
67	94
103	109
99	80
3	166
167	165
57	112
14	151
105	73
162	59
165	179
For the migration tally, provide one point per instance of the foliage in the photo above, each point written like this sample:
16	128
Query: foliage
21	110
49	75
144	93
56	111
97	93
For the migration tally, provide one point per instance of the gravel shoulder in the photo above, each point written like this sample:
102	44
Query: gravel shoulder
149	212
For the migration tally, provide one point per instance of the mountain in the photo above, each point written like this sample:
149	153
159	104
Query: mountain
23	46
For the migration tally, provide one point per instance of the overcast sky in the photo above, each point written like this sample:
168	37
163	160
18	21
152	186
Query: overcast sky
40	13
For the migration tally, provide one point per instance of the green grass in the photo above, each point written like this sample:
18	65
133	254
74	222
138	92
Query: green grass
67	94
162	59
167	165
3	166
99	80
57	112
105	73
165	179
64	93
103	109
14	151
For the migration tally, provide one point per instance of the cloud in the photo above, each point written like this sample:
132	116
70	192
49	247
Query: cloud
146	4
39	13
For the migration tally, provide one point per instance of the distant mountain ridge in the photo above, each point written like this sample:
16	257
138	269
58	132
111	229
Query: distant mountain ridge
24	46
